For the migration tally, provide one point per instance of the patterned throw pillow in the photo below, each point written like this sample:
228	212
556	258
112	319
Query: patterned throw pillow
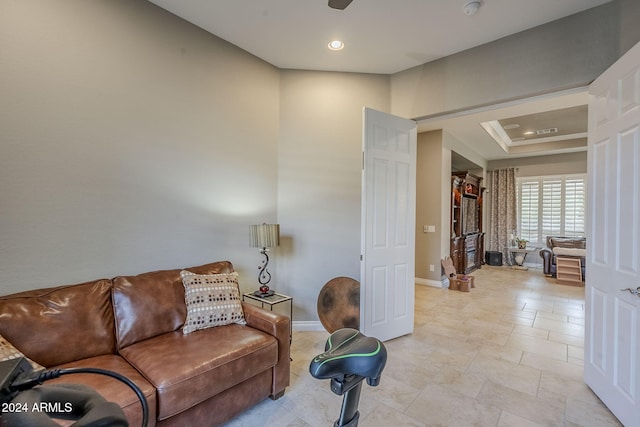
212	300
9	352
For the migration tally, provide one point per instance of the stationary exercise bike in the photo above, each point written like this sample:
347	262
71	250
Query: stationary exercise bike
349	358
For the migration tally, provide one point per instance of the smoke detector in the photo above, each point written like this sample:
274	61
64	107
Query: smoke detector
471	7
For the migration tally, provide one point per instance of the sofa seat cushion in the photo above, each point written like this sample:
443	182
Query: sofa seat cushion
189	369
112	389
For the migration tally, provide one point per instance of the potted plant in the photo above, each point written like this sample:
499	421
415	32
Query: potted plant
522	243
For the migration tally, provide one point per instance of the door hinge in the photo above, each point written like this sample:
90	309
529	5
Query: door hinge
361	257
363	160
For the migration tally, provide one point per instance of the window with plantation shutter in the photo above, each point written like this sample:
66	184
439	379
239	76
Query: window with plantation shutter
551	206
574	207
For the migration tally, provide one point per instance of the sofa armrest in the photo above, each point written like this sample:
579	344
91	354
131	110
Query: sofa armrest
279	327
547	258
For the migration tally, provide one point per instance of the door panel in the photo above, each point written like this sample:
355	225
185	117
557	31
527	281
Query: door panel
612	326
388	225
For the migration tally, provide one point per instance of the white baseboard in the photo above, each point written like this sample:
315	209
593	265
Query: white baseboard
307	326
432	283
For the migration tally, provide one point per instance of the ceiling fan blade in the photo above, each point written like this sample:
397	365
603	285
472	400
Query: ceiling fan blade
339	4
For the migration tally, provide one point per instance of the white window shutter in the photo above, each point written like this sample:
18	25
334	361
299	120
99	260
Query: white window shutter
551	206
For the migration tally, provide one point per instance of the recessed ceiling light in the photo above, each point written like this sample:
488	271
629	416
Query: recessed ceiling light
530	132
336	45
512	126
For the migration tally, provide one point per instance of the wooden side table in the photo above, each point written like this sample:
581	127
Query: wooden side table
569	270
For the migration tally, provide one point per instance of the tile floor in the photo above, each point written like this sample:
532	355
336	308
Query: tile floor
509	353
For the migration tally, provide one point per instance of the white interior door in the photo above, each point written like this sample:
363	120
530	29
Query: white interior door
612	328
387	288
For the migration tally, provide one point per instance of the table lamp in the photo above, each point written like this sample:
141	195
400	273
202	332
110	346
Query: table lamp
264	236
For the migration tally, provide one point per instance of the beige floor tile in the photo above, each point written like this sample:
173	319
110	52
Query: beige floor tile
576	320
501	352
576	341
576	361
406	372
518	377
464	382
553	366
587	415
534	305
560	327
267	414
532	332
426	339
508	353
507	419
548	412
553	316
576	352
437	405
316	406
517	320
319	407
302	382
521	313
563	388
481	337
394	393
383	416
544	347
569	310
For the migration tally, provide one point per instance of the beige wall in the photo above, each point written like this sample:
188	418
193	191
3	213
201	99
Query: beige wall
559	164
570	52
434	200
629	34
429	207
131	140
319	180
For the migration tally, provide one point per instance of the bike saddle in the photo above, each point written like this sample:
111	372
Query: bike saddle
348	352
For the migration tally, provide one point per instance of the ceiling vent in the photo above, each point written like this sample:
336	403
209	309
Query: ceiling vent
547	131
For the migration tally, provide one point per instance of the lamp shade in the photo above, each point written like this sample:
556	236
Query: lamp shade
264	235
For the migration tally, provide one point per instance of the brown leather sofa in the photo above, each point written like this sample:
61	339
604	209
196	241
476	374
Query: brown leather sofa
575	246
132	325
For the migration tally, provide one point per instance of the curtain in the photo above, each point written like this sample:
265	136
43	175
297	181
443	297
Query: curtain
503	212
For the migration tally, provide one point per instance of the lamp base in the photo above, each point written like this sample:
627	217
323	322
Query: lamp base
264	294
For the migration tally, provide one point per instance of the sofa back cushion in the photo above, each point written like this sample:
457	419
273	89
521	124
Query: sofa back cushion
151	304
566	242
57	325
